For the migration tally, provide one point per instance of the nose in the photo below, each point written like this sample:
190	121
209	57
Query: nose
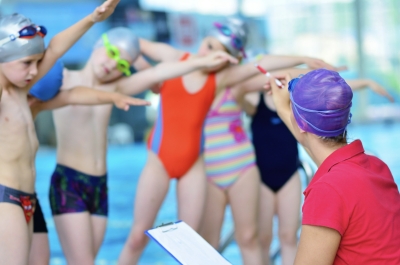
33	70
111	64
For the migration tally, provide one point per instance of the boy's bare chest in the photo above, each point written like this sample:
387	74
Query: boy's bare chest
17	129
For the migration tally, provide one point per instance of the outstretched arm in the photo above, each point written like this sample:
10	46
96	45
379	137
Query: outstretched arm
65	39
88	96
259	83
358	84
159	52
236	74
167	70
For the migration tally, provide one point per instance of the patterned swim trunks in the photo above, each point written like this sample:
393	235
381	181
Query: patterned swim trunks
72	191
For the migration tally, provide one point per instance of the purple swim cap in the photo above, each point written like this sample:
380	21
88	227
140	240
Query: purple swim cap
321	102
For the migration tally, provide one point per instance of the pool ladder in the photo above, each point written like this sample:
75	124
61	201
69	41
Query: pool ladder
309	173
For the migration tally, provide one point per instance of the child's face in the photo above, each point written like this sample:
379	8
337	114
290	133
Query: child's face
104	67
21	72
210	44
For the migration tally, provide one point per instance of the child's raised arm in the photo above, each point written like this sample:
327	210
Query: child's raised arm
65	39
164	71
159	52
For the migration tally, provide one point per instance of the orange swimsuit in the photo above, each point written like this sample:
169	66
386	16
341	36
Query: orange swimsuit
177	136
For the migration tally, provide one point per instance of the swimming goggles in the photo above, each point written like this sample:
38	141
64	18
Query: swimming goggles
28	32
236	42
113	52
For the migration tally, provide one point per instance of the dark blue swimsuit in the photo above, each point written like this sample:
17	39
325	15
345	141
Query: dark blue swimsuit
277	155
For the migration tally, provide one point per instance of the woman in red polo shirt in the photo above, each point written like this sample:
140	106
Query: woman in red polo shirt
351	211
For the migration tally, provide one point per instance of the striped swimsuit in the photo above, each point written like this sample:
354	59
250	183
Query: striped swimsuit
228	151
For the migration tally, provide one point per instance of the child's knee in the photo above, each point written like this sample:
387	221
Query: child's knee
288	237
247	237
137	239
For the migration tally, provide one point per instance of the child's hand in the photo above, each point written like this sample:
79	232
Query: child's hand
124	102
217	59
378	89
314	63
104	11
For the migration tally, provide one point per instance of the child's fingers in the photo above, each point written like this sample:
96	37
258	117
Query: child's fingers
138	102
226	56
341	68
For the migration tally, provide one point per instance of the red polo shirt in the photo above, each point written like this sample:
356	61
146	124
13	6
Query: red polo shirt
356	195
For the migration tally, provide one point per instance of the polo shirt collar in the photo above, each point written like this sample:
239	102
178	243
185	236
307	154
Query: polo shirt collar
342	154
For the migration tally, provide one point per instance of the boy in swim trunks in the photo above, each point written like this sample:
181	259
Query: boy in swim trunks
46	95
23	60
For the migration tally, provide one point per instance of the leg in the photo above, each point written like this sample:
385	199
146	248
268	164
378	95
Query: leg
267	212
244	198
288	201
151	190
14	235
76	237
213	215
40	249
192	190
99	224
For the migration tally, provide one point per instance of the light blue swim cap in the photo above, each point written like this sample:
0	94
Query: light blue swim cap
19	47
50	84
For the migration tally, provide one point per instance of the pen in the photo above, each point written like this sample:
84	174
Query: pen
262	70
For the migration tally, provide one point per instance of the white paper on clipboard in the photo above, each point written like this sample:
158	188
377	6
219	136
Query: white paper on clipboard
186	245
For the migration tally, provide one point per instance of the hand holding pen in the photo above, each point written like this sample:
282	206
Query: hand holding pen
267	74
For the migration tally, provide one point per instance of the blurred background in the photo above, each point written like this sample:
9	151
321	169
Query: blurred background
364	35
361	34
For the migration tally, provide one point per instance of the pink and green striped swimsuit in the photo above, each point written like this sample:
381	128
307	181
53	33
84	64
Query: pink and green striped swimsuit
228	151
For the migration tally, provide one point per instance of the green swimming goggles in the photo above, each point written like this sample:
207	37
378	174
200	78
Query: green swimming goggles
112	51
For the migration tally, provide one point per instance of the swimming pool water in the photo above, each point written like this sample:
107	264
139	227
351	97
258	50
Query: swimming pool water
124	167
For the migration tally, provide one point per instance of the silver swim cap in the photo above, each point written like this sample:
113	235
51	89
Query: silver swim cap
232	34
17	48
124	39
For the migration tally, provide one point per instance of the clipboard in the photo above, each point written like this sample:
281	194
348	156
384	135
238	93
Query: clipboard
185	245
